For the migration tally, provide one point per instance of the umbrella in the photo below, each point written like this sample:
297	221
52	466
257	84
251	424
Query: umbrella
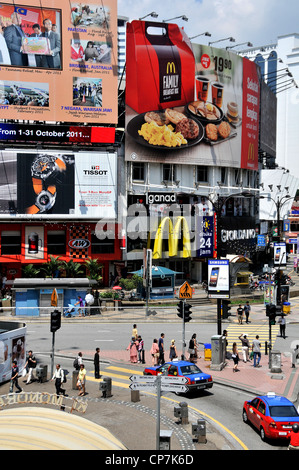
116	288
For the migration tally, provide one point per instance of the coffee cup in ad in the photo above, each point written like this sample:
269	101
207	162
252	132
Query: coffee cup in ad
202	88
217	94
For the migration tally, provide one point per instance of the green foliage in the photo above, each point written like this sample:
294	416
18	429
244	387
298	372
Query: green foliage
130	283
50	268
30	271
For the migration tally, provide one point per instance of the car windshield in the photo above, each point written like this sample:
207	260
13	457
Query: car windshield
283	411
190	369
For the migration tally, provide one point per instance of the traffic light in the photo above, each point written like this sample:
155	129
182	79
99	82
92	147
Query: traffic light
271	311
187	313
226	307
55	321
180	309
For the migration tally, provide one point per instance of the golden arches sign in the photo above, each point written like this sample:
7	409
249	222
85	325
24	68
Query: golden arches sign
251	153
170	67
174	233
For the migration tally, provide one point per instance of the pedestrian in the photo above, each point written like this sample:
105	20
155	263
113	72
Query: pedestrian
282	326
81	306
155	352
81	378
247	310
235	356
294	437
192	348
134	331
240	314
30	366
58	376
14	378
89	301
133	350
256	349
245	347
172	351
161	349
224	336
96	362
140	350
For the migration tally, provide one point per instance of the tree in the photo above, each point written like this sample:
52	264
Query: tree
72	269
94	269
30	271
131	283
52	267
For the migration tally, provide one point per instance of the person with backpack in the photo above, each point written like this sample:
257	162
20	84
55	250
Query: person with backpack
59	378
78	361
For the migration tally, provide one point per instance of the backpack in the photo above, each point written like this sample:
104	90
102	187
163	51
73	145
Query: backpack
64	377
76	364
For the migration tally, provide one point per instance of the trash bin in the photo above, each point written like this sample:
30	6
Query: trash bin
208	351
286	308
41	372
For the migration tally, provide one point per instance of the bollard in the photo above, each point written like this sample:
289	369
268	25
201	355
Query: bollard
135	396
199	431
106	387
41	372
181	412
165	437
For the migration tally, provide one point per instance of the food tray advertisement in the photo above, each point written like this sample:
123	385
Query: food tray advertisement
59	61
212	121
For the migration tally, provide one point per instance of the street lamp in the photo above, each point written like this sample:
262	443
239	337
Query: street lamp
279	203
184	18
249	44
225	39
153	14
201	34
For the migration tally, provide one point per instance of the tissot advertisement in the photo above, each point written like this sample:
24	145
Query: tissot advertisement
187	101
58	61
52	184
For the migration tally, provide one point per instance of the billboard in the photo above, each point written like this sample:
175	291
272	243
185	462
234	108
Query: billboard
51	184
212	120
59	61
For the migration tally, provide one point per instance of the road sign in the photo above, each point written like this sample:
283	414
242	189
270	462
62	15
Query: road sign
185	291
168	387
174	380
143	378
143	386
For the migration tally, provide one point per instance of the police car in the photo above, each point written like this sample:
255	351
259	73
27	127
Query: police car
196	378
272	415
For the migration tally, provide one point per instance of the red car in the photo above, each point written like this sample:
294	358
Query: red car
272	415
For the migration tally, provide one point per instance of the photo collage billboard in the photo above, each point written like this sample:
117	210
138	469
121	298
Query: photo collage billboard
59	61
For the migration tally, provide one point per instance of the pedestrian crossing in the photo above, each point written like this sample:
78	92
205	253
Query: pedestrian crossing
119	375
251	330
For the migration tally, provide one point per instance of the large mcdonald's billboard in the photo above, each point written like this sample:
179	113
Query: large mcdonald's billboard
187	102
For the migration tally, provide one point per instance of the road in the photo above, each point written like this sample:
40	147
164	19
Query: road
222	405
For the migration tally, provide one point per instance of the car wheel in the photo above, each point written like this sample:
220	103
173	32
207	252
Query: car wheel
262	434
245	417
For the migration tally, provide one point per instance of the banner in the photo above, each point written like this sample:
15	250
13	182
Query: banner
59	61
215	122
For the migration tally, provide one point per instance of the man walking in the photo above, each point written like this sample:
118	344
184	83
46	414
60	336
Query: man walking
31	365
14	378
247	309
256	348
161	349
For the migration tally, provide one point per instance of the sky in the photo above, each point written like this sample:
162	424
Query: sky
257	21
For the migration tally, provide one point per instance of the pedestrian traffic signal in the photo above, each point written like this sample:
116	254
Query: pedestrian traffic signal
180	309
55	321
187	312
226	307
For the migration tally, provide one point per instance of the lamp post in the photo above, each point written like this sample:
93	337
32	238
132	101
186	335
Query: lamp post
184	18
225	39
201	34
153	14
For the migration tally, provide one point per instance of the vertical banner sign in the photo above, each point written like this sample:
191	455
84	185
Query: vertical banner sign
218	279
205	236
251	106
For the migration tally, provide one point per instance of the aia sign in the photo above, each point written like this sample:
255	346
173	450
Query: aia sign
79	243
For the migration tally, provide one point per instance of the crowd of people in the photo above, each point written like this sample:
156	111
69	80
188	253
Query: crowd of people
92	52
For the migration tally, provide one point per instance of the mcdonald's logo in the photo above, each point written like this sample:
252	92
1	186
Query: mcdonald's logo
251	155
174	233
170	68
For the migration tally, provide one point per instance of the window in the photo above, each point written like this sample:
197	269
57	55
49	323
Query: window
169	172
202	174
56	242
101	246
223	176
11	242
262	407
138	171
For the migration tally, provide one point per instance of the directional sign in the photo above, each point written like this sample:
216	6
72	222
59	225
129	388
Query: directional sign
185	291
143	378
173	388
172	379
142	386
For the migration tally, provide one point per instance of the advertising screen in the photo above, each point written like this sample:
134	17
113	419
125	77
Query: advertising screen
51	184
59	61
211	120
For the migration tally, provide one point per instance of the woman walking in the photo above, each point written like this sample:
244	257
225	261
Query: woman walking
235	356
133	350
172	351
155	352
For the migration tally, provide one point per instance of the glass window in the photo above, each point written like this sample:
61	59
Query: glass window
138	171
283	411
11	243
101	246
56	242
262	408
202	174
169	172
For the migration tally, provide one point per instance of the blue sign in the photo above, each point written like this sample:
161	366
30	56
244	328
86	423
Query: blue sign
205	237
261	240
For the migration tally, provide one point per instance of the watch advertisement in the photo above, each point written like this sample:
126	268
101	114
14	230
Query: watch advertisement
218	279
58	61
52	185
210	120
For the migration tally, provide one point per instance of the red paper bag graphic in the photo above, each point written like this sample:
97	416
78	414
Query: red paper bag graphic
160	66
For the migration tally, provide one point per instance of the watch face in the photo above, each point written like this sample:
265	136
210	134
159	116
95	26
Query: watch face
42	166
45	201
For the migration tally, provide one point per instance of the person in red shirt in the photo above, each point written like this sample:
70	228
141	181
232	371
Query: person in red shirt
294	437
